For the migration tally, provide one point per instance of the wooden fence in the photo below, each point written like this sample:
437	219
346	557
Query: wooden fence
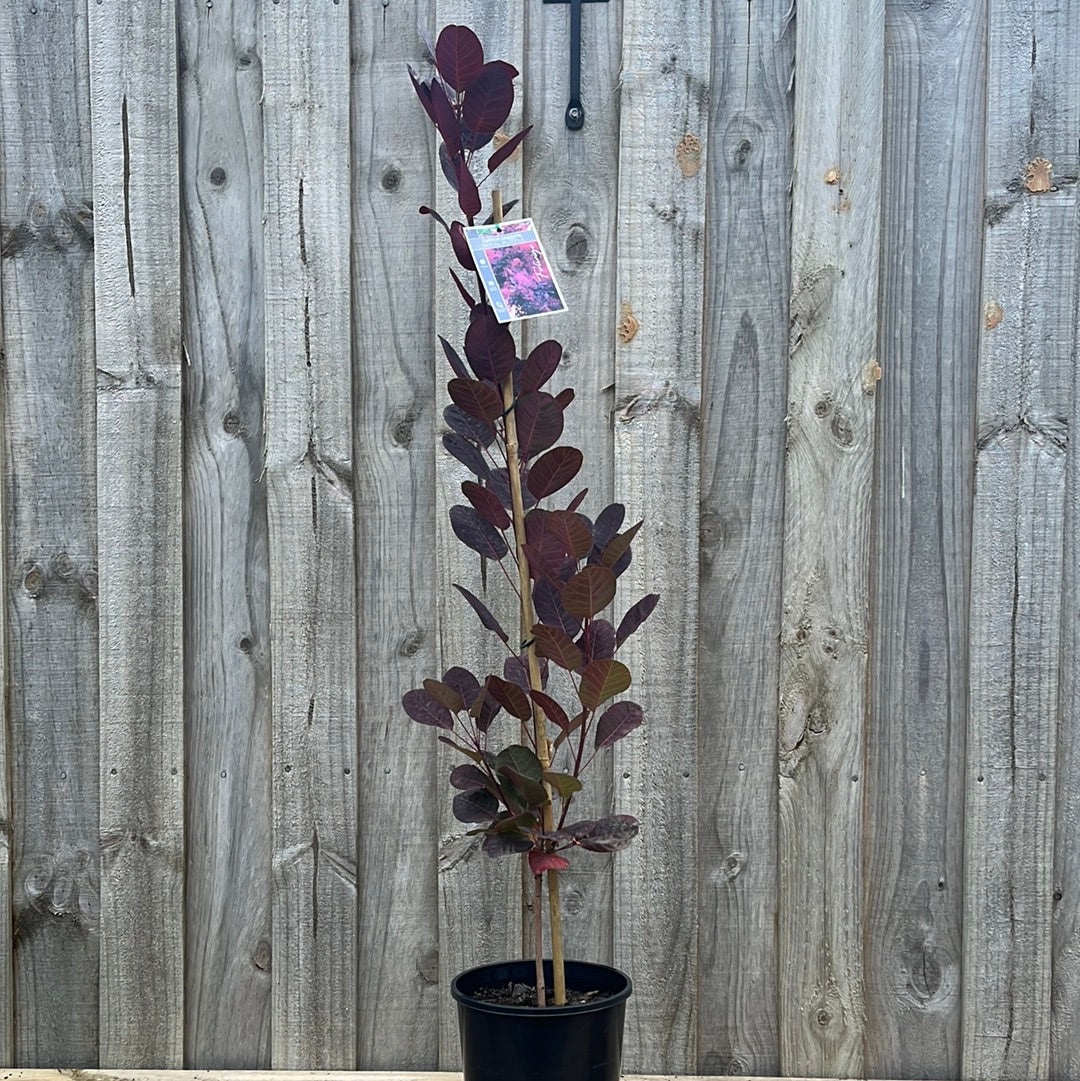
822	263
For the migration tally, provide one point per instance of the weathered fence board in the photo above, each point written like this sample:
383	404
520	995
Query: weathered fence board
226	643
50	529
140	603
744	393
929	318
398	997
860	685
7	997
660	253
308	415
1025	389
832	378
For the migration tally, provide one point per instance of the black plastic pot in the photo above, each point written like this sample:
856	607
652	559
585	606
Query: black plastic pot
556	1043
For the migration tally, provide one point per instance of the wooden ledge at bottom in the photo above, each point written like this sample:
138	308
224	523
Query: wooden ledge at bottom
284	1075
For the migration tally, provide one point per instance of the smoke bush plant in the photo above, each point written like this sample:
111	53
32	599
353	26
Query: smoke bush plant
562	567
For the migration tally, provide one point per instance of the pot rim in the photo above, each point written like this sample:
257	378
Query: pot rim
475	975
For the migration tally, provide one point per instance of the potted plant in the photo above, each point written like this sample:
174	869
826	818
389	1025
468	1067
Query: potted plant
516	783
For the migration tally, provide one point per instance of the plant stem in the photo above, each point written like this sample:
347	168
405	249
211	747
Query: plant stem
538	940
528	619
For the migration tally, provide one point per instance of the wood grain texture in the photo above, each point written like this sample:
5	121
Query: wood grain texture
226	647
743	404
660	271
1065	960
137	310
570	190
7	1000
266	1075
1025	403
824	647
399	995
932	238
46	218
308	432
480	899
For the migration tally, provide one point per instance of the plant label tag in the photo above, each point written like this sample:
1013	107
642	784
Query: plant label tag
515	271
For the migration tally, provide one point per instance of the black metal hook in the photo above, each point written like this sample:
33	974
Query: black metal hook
575	111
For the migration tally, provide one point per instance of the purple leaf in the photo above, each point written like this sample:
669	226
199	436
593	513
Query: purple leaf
471	428
445	120
506	150
464	682
617	721
607	525
540	365
551	708
423	92
469	778
489	347
549	608
476	533
516	670
459	56
598	641
487	504
573	530
618	547
555	644
539	862
468	192
601	680
485	616
461	247
466	295
577	501
454	360
421	707
477	398
444	694
605	835
475	806
555	470
499	482
489	99
539	422
436	215
466	452
506	844
510	696
634	618
589	591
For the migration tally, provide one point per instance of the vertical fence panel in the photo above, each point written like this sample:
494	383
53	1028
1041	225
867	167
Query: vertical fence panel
661	251
50	529
1024	415
831	387
137	307
7	997
744	401
227	661
480	899
309	484
932	222
394	346
1065	961
571	183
